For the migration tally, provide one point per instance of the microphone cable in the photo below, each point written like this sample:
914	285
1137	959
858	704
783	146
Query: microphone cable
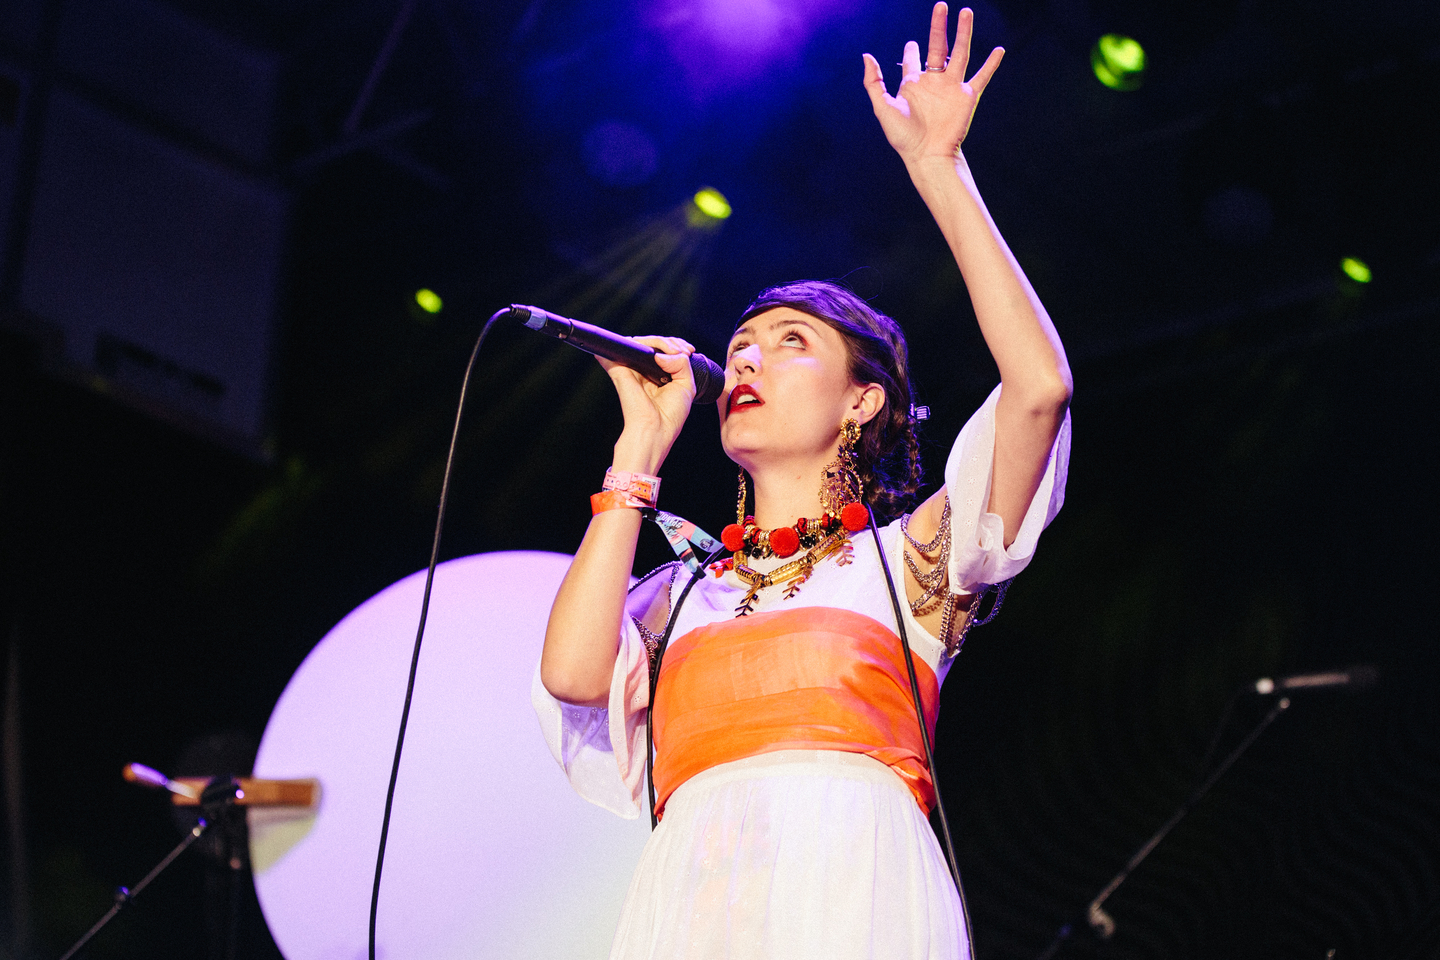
949	844
420	630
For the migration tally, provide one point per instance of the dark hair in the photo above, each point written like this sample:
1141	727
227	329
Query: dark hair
888	452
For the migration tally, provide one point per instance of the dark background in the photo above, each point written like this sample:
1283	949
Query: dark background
1250	491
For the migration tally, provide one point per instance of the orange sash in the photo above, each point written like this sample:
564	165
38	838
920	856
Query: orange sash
811	678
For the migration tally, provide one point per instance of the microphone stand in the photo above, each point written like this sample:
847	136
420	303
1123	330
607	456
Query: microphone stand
216	799
1100	921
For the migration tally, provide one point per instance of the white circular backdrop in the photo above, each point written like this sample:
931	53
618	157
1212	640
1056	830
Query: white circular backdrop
490	855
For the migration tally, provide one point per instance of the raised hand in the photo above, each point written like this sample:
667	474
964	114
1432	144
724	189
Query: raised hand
931	111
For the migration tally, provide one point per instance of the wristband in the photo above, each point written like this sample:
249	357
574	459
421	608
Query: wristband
639	487
612	500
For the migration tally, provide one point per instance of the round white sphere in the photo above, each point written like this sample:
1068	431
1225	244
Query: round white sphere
490	854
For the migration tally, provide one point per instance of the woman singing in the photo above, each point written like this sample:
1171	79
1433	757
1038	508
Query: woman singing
790	770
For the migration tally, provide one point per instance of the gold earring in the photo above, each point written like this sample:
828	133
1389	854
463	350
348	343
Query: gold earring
740	500
840	484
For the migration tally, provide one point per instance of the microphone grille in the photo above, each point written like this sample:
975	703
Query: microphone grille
709	378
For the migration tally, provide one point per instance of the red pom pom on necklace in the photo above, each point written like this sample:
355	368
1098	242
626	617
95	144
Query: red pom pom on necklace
784	541
733	537
855	517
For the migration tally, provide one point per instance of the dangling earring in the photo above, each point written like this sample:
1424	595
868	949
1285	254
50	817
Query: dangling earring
733	536
740	500
841	491
840	483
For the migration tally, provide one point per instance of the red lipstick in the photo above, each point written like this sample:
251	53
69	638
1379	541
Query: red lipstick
740	392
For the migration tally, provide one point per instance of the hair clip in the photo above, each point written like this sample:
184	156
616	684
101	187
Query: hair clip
919	413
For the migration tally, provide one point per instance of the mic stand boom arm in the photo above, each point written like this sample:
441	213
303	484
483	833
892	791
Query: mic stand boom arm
216	797
1095	914
124	895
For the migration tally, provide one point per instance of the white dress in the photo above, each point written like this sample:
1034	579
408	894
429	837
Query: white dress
795	854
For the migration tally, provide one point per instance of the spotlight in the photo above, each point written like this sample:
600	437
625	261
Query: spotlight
1118	62
429	300
1355	269
712	203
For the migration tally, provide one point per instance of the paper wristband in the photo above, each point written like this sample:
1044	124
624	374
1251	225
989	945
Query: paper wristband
641	486
614	500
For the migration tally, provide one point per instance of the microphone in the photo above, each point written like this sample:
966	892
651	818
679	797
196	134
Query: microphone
709	378
1359	677
150	777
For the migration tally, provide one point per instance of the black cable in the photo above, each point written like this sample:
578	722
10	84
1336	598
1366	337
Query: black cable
420	630
914	690
920	716
925	735
655	683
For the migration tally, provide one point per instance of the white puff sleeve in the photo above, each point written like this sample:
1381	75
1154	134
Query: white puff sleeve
602	749
978	555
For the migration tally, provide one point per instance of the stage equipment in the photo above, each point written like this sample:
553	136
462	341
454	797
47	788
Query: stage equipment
1102	922
216	797
493	855
249	791
1118	62
150	777
1355	269
712	203
709	378
147	233
1359	677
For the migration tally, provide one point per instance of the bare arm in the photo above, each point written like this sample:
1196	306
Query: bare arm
926	122
583	632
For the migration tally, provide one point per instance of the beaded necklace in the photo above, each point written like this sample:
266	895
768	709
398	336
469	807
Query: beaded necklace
781	542
840	494
823	536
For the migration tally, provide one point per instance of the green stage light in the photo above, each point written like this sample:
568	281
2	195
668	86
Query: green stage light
1355	269
429	300
712	203
1118	62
